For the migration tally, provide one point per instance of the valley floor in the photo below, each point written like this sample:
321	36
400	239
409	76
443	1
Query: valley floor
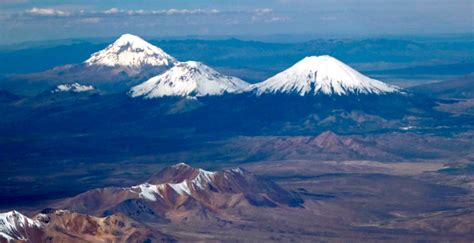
408	201
347	200
367	200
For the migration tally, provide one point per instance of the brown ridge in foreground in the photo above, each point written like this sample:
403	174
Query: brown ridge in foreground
65	226
177	194
183	188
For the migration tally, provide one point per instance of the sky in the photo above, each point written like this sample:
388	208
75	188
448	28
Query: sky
32	20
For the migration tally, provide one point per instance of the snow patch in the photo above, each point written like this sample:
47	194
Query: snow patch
148	191
203	178
75	87
237	171
181	188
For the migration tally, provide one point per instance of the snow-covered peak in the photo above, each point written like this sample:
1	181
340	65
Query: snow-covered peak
132	52
189	79
322	74
75	87
179	165
184	180
133	40
14	226
199	181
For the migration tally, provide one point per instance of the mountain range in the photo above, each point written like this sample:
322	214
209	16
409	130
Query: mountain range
127	61
131	59
183	188
318	91
312	201
180	194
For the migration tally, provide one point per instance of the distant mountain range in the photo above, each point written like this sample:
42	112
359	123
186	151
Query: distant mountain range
132	58
122	64
255	61
316	94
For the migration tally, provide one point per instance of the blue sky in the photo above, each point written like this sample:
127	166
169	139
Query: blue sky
27	20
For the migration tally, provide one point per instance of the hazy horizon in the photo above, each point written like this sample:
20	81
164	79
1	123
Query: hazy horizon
273	38
30	20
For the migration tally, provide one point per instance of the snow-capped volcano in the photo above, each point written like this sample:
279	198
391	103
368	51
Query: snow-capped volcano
123	64
189	79
322	75
132	52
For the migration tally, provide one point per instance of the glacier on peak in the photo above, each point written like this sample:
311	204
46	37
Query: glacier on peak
132	52
321	75
189	79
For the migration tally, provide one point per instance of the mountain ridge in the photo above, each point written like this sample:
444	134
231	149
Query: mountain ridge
182	187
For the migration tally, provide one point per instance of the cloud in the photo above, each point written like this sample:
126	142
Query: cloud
113	11
172	11
183	11
263	10
266	15
277	19
136	12
194	16
47	12
94	20
12	1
